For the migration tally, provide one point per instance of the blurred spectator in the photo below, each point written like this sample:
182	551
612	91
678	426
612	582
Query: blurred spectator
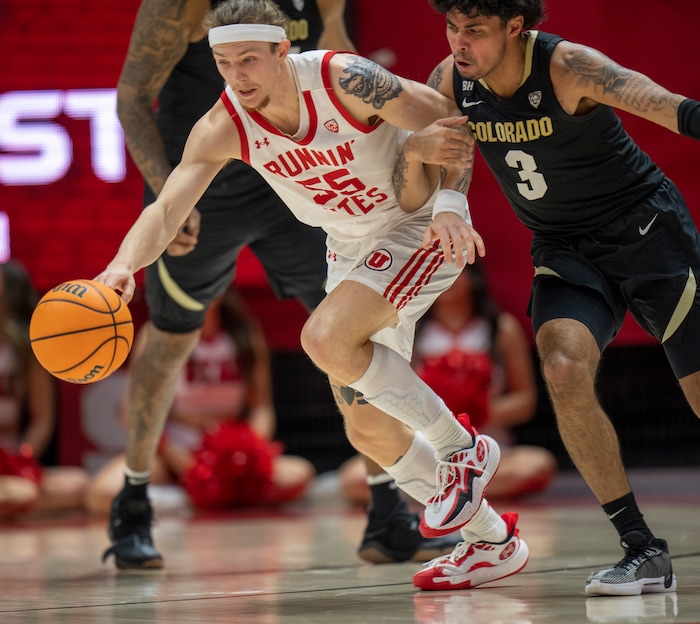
28	410
478	359
218	439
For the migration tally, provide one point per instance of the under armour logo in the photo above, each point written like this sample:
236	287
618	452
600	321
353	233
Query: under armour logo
259	144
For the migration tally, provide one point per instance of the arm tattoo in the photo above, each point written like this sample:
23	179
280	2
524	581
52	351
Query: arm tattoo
435	78
610	76
399	175
156	41
627	87
464	180
370	82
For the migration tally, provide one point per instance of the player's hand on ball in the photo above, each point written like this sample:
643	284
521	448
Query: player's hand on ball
120	279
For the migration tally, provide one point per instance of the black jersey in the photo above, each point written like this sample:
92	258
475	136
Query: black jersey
560	173
195	84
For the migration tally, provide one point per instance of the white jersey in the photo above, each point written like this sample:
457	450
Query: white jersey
335	172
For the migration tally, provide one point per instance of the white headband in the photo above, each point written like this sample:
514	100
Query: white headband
234	33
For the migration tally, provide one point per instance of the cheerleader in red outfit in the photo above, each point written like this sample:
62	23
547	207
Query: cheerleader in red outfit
27	411
217	442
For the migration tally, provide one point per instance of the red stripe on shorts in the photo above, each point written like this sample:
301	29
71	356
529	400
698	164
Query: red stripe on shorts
403	287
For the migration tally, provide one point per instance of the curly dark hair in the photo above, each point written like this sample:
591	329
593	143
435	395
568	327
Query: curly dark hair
531	10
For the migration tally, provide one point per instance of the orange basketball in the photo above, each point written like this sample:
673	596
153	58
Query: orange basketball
81	331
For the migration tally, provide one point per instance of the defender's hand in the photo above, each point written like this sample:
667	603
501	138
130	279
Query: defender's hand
445	142
187	236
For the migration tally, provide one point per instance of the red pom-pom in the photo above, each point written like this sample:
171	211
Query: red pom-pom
21	465
232	468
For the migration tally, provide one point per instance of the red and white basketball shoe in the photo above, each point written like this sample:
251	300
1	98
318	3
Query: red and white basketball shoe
470	565
461	481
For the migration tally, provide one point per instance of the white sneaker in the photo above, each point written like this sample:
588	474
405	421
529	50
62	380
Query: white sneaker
470	565
461	482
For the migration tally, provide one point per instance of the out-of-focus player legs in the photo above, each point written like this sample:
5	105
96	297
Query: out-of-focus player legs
152	385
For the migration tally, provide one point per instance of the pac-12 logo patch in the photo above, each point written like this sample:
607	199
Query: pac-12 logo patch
379	260
535	98
332	125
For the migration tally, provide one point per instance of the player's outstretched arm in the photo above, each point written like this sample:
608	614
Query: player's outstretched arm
208	149
583	76
159	39
162	32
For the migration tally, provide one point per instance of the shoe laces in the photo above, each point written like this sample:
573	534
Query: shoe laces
446	473
636	555
460	552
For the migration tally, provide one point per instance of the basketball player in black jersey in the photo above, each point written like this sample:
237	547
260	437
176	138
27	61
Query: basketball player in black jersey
169	60
611	232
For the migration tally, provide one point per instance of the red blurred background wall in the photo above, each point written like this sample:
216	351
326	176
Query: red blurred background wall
70	191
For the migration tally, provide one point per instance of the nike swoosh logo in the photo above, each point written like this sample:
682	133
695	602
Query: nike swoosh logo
466	104
619	511
643	230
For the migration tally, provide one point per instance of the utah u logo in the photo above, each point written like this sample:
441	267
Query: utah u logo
379	260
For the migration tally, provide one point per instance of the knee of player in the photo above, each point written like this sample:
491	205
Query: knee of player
564	369
321	340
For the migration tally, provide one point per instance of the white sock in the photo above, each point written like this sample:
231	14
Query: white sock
378	479
391	385
414	473
134	477
485	526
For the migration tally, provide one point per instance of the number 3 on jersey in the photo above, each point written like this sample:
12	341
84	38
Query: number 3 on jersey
533	185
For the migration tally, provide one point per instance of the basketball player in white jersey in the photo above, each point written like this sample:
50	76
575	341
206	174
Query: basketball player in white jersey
322	128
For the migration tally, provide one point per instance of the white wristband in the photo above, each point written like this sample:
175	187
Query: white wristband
452	201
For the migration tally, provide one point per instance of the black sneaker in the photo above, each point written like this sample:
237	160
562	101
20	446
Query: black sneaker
645	569
130	531
397	538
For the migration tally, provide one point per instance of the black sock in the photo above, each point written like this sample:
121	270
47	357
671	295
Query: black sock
131	490
625	516
386	499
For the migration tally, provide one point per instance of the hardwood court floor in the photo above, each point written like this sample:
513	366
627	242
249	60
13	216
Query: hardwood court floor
300	567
